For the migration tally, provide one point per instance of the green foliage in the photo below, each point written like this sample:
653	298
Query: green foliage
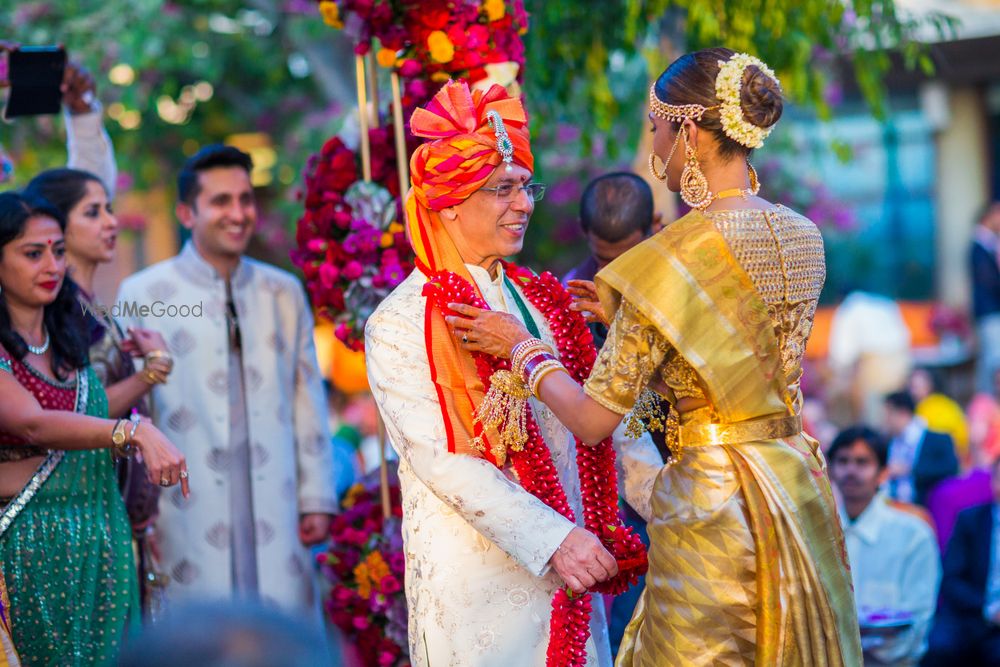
575	49
241	48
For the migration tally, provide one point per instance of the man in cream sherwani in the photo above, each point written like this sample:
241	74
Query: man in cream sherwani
245	401
483	555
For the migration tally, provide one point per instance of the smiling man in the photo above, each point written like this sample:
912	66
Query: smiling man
245	401
484	556
893	552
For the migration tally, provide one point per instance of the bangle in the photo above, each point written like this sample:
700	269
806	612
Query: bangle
533	363
136	420
541	371
525	350
159	354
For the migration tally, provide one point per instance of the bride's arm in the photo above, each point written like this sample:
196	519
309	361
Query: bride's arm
586	418
624	367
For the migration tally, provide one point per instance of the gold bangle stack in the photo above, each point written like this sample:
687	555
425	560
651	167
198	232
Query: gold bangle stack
154	377
524	351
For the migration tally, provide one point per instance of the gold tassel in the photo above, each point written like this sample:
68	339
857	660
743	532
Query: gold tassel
647	415
506	404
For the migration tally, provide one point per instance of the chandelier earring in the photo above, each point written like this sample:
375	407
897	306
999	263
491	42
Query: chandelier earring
694	186
754	181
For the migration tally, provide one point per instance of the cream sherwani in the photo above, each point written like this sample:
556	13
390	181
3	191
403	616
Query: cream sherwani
287	441
478	582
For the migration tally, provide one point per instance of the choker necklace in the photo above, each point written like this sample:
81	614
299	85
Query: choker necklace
40	349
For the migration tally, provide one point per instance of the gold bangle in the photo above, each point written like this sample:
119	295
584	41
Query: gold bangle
159	354
540	372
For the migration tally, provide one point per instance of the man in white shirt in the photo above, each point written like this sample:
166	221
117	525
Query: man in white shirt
893	553
869	353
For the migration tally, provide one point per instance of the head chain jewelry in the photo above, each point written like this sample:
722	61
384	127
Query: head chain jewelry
504	145
727	90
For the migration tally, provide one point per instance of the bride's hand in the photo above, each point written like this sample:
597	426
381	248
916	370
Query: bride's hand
487	331
586	301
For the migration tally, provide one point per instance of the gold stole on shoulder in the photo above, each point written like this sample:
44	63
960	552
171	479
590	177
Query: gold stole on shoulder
687	282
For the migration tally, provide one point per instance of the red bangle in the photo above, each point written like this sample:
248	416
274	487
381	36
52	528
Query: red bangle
534	362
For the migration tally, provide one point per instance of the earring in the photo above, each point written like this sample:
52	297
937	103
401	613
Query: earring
694	185
754	182
660	176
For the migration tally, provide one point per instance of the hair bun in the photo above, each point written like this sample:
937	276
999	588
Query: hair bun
760	98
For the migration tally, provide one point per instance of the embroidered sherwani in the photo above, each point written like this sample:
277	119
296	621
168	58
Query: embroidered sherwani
478	582
747	563
253	470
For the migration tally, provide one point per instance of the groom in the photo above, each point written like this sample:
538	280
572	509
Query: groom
484	556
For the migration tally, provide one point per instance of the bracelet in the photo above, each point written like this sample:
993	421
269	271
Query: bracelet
136	420
148	376
525	350
517	349
541	371
533	363
159	354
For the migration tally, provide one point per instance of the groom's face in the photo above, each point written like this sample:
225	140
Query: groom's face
490	225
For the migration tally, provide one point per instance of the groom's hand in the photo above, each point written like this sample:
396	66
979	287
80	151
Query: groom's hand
582	561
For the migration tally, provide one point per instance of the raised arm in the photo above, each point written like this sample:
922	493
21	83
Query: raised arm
87	142
624	367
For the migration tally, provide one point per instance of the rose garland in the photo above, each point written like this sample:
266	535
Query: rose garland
570	621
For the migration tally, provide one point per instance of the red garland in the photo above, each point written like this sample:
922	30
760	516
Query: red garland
570	622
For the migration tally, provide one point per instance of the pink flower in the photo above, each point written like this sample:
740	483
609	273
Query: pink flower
410	68
328	275
353	270
389	585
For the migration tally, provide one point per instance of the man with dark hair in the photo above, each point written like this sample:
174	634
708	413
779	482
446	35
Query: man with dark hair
210	157
616	213
984	260
918	458
967	629
245	401
892	551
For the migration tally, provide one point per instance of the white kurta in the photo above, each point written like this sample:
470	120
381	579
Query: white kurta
478	584
291	459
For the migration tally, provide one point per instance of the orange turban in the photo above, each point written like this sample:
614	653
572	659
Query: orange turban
458	159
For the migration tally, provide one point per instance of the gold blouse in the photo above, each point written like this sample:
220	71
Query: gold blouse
782	253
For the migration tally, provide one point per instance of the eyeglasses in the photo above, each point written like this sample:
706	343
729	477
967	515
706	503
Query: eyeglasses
508	192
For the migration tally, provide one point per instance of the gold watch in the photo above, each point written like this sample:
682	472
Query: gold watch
119	439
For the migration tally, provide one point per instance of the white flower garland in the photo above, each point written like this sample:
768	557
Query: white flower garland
727	90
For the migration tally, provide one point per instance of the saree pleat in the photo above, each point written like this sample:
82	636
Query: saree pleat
66	554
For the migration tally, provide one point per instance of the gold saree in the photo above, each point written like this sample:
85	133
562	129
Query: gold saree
747	563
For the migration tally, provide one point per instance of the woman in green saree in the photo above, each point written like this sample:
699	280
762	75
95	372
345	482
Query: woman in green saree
65	547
